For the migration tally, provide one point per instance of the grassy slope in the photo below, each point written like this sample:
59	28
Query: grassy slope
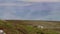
21	26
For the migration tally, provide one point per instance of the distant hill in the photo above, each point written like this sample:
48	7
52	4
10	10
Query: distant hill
32	22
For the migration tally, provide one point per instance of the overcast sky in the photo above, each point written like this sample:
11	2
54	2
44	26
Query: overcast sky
31	11
42	0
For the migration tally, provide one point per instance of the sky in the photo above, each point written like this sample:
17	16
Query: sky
42	0
24	10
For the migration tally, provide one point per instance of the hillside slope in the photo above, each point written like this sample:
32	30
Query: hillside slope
28	27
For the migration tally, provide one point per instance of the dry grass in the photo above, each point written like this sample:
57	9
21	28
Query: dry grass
28	27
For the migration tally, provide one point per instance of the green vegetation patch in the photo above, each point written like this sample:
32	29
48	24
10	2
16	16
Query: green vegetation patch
25	29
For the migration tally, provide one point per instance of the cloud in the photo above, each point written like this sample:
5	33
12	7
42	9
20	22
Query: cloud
42	0
35	11
15	4
7	13
51	12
